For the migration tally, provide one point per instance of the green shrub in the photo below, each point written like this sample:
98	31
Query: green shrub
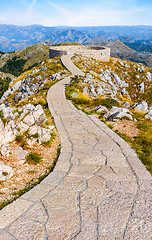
36	135
33	158
19	138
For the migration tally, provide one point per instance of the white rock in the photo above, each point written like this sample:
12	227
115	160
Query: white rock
101	109
29	119
141	107
85	90
121	63
126	104
5	169
116	112
39	115
23	127
16	86
29	107
75	94
35	129
20	153
137	76
2	107
142	86
148	75
149	115
8	113
31	141
1	125
99	90
5	150
120	82
45	134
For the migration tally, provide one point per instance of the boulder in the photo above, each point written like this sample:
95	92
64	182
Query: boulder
101	109
75	94
140	107
142	86
20	153
39	115
116	112
6	171
148	75
45	134
120	82
29	119
2	107
23	127
5	150
8	113
149	115
126	105
35	129
85	90
99	90
16	86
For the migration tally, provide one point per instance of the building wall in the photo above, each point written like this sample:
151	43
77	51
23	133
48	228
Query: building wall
97	52
56	53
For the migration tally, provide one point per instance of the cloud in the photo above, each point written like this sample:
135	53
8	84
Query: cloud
31	5
51	13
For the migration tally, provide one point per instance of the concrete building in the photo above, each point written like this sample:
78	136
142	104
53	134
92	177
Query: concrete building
97	52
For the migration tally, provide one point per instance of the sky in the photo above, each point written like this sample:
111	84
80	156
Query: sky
76	13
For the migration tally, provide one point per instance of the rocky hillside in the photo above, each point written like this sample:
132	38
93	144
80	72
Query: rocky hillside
28	138
120	50
120	94
22	60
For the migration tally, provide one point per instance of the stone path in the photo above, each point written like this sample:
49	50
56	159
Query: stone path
99	189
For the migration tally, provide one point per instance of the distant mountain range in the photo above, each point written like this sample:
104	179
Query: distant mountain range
139	38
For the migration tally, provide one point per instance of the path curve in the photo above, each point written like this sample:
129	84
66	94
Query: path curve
99	189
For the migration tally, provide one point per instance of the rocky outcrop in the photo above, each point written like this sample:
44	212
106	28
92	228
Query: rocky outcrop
149	115
19	125
116	112
28	86
110	84
140	107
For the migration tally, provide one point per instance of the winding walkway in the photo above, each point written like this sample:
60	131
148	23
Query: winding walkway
99	189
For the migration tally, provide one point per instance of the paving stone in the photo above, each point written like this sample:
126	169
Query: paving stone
62	201
116	173
122	186
88	232
54	178
143	206
6	236
38	192
62	225
12	211
83	170
37	213
94	196
138	229
114	213
71	184
25	228
96	182
88	212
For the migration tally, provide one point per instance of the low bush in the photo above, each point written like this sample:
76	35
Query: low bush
33	158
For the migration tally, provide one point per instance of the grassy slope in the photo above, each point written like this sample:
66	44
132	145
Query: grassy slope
21	60
142	143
